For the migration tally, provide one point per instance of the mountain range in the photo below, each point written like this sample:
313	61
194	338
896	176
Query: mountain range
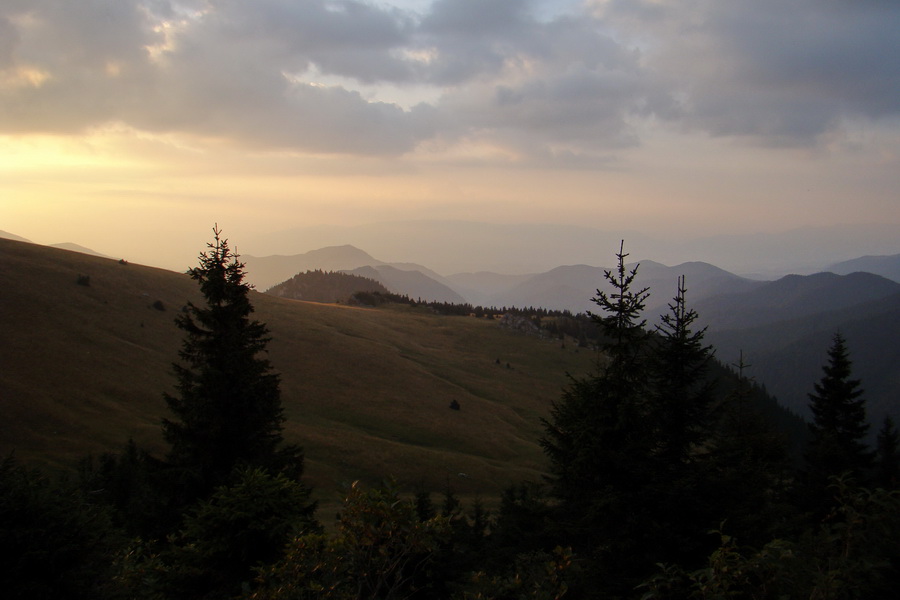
448	246
782	326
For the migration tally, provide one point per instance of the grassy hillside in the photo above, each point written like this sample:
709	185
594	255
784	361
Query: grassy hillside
366	392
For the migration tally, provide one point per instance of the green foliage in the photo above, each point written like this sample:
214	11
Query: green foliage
524	522
228	409
852	555
380	551
223	539
135	486
53	542
534	576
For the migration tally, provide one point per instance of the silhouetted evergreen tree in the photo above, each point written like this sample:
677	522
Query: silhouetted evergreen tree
682	390
839	423
228	408
623	328
600	445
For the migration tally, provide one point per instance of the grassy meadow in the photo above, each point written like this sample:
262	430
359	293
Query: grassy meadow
366	392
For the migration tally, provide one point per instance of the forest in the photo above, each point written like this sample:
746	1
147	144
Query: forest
659	484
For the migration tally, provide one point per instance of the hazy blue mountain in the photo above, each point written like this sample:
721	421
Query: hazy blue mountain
412	283
791	297
886	266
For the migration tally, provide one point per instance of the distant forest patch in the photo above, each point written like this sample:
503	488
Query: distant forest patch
325	286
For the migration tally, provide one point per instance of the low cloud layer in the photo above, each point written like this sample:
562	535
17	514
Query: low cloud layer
504	75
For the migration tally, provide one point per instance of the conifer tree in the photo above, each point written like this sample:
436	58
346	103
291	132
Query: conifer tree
839	427
682	390
599	443
228	408
591	431
621	324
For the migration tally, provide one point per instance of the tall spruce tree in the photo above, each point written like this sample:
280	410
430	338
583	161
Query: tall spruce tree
837	445
622	325
228	407
590	432
599	444
682	390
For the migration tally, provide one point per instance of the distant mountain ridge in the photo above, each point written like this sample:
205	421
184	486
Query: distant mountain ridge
886	266
70	246
11	236
568	287
455	246
265	272
792	297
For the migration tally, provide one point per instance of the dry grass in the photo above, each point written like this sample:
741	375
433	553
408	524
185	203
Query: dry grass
366	392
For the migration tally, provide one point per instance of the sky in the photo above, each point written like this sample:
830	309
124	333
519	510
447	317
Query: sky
132	126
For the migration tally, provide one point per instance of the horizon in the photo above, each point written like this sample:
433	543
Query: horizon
131	127
509	249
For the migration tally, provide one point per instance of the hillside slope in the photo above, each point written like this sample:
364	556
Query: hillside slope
366	392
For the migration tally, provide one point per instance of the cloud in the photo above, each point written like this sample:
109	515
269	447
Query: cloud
779	71
306	76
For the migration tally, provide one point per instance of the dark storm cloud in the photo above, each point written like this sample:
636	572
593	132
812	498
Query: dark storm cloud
301	75
784	71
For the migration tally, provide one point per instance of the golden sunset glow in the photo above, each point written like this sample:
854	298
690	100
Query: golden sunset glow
124	127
